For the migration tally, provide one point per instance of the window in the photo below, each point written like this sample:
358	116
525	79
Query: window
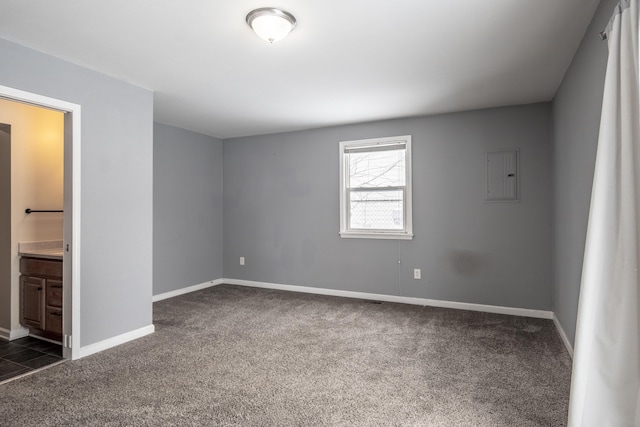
375	188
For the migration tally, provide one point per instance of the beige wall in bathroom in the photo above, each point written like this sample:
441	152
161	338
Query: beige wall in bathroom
37	167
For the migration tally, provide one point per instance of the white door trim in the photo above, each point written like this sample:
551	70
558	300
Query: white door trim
74	215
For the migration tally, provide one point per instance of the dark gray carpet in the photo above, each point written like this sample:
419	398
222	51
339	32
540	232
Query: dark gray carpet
231	355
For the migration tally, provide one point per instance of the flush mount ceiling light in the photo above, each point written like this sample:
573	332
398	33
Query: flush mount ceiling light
271	24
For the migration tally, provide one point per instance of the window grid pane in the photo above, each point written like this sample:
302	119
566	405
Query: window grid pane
376	210
377	169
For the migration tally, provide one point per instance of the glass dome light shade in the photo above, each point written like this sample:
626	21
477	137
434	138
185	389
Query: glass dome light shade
271	24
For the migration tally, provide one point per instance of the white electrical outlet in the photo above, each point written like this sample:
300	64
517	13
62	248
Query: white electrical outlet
241	260
417	273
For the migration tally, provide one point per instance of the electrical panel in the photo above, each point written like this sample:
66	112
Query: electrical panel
501	175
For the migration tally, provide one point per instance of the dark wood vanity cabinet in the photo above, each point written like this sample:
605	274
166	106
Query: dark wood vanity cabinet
41	296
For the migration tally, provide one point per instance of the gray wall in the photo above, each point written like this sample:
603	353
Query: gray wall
187	208
576	118
5	226
281	211
117	153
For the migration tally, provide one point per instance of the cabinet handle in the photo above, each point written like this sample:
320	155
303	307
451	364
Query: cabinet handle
40	288
56	286
56	314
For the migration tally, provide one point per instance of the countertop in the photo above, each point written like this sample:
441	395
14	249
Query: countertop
51	249
43	253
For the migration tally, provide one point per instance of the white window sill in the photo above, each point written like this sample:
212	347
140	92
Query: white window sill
379	235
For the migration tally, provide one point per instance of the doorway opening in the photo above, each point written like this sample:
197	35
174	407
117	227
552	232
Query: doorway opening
60	298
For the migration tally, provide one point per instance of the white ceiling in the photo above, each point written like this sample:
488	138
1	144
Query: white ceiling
346	61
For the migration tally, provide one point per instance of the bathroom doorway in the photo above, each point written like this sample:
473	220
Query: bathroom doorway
35	221
63	229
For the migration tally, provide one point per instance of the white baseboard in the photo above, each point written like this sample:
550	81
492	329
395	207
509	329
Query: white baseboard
13	334
115	341
563	335
525	312
186	290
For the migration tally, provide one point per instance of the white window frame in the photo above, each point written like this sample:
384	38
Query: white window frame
345	231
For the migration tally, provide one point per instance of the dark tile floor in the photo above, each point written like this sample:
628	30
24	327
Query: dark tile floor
26	354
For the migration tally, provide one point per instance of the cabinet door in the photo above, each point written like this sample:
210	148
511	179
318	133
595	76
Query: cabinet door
32	301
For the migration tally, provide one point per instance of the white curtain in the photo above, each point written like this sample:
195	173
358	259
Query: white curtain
605	389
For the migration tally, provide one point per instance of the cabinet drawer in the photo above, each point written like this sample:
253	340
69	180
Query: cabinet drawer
54	293
53	320
41	267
